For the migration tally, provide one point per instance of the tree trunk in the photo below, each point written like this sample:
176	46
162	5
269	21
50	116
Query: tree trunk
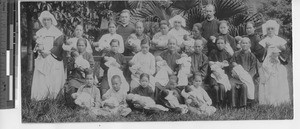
29	40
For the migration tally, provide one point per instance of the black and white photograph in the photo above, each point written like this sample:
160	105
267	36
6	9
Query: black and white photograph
163	61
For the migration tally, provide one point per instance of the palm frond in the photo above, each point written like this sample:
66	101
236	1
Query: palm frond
195	15
153	11
238	23
228	8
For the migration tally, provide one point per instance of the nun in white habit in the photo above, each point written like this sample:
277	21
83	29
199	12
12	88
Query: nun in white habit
48	76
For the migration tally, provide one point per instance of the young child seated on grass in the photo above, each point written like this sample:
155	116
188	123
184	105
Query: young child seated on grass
88	95
114	69
162	91
172	102
113	63
114	100
146	94
197	98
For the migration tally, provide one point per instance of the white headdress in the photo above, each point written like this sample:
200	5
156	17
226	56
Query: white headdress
268	24
47	14
177	18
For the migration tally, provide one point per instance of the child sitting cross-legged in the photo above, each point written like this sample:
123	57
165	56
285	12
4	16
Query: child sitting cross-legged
197	98
146	94
88	95
114	100
169	95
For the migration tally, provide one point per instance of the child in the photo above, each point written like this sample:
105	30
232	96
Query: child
160	39
274	88
114	69
229	40
188	44
172	101
185	69
125	29
177	22
104	42
114	100
139	33
120	64
71	43
199	60
171	55
197	34
248	61
146	60
210	26
162	71
134	42
197	99
143	90
216	57
88	95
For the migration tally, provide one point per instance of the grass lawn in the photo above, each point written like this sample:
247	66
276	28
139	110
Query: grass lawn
48	111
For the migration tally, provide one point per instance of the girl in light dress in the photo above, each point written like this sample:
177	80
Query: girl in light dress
274	88
48	76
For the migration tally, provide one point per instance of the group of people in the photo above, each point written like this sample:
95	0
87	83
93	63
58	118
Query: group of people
172	70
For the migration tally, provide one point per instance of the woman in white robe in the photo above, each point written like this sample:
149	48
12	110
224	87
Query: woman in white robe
274	88
48	76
